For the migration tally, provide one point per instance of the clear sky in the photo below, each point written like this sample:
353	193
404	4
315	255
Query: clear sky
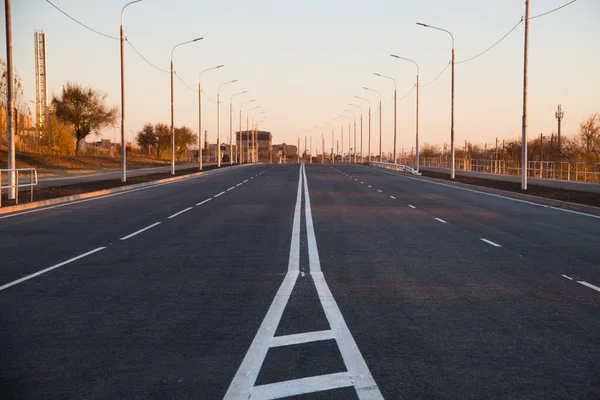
304	61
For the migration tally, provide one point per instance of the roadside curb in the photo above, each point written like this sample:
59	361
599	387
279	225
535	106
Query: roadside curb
527	197
99	193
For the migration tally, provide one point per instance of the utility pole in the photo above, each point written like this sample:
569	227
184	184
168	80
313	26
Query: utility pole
355	138
298	151
9	106
524	118
310	153
322	149
342	142
559	114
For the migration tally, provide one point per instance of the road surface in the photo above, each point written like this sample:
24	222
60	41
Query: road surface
329	281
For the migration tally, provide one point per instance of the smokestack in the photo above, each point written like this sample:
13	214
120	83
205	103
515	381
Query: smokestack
206	140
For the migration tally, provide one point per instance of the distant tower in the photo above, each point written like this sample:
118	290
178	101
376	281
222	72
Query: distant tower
559	114
206	140
41	83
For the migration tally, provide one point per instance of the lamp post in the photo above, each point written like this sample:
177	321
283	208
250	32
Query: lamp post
231	125
417	116
361	140
247	131
452	96
380	155
332	135
219	120
255	133
241	160
173	104
200	113
395	108
349	130
123	144
349	139
361	133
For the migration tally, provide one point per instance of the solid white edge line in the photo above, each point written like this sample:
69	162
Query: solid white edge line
299	338
411	206
140	231
25	278
70	203
490	242
245	377
584	283
365	385
568	277
219	194
301	386
494	195
442	221
180	212
205	201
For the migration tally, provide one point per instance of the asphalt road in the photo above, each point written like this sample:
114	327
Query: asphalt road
325	282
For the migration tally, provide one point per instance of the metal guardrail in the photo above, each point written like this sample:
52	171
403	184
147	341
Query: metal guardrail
32	181
396	167
577	172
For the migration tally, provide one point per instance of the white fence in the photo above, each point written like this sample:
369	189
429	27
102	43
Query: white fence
29	180
565	171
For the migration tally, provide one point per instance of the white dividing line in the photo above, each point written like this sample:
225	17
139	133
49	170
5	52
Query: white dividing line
231	188
180	212
490	242
443	222
25	278
584	283
217	195
245	377
140	231
568	277
392	197
362	183
370	186
411	206
246	181
365	385
307	337
379	191
239	184
203	202
302	386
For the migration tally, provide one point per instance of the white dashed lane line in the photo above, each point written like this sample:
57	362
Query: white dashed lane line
219	194
411	206
584	283
392	197
180	212
140	231
379	191
231	188
443	222
490	242
205	201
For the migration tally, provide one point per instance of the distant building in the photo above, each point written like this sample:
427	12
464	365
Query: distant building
264	139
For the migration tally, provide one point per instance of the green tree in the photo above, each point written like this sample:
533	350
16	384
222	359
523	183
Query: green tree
155	138
83	109
184	137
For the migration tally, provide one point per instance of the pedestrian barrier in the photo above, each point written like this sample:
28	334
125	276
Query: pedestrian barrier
17	183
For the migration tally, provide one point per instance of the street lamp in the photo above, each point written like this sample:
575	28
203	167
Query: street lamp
361	133
452	106
373	90
369	146
241	160
219	121
173	106
251	136
200	113
349	122
332	135
123	145
231	125
395	108
417	117
349	131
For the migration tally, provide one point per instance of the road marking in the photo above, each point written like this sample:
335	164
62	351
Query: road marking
379	191
356	179
245	377
302	386
217	195
392	197
584	283
240	184
205	201
365	385
25	278
231	188
496	195
370	186
490	242
110	195
306	337
362	183
140	231
246	181
411	206
444	222
568	277
180	212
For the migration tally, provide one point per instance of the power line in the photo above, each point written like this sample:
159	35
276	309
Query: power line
551	11
81	23
492	46
185	84
437	77
408	94
144	58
